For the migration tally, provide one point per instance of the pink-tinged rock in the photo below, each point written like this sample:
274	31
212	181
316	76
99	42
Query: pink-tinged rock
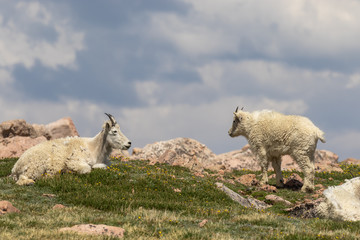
268	188
351	161
63	127
276	199
16	136
16	146
245	159
184	152
7	207
59	206
239	160
203	222
93	229
248	180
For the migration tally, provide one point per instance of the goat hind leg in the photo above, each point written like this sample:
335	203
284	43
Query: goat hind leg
276	163
307	166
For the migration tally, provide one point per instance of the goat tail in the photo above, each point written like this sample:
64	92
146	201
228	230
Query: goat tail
320	135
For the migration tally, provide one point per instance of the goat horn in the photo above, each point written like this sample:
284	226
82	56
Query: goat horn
112	119
236	109
242	108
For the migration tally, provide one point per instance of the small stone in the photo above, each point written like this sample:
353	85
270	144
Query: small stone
59	206
203	222
7	207
248	180
268	188
276	199
49	195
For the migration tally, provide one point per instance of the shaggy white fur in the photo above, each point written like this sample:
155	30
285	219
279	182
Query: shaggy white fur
70	154
272	134
342	202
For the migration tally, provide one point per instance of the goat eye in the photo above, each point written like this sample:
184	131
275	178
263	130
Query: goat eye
115	131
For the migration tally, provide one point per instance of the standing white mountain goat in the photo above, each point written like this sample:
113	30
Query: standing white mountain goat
272	134
70	154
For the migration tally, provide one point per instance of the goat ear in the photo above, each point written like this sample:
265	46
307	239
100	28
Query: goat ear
107	126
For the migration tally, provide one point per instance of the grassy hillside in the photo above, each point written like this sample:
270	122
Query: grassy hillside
159	201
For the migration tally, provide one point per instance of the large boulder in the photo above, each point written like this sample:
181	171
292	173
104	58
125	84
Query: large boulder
245	159
239	159
16	136
17	127
62	128
15	146
185	152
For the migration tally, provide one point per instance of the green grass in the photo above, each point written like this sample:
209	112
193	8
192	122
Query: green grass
158	201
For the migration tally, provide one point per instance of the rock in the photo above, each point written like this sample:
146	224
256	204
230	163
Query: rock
18	127
294	182
63	127
248	180
196	156
341	202
245	159
7	207
351	161
49	195
239	160
276	199
246	202
16	136
96	230
184	152
41	130
326	161
59	206
268	188
16	146
203	222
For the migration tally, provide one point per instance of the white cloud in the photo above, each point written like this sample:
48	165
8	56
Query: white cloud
18	47
344	143
354	81
147	91
272	76
35	11
275	28
5	77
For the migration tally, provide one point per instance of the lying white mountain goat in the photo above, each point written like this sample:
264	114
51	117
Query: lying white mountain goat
70	154
271	135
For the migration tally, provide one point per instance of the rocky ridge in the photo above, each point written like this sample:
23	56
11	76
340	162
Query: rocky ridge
16	136
196	156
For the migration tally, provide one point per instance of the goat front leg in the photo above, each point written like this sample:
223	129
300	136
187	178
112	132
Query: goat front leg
103	165
78	166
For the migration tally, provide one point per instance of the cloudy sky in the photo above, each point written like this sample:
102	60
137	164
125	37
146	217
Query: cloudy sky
178	68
